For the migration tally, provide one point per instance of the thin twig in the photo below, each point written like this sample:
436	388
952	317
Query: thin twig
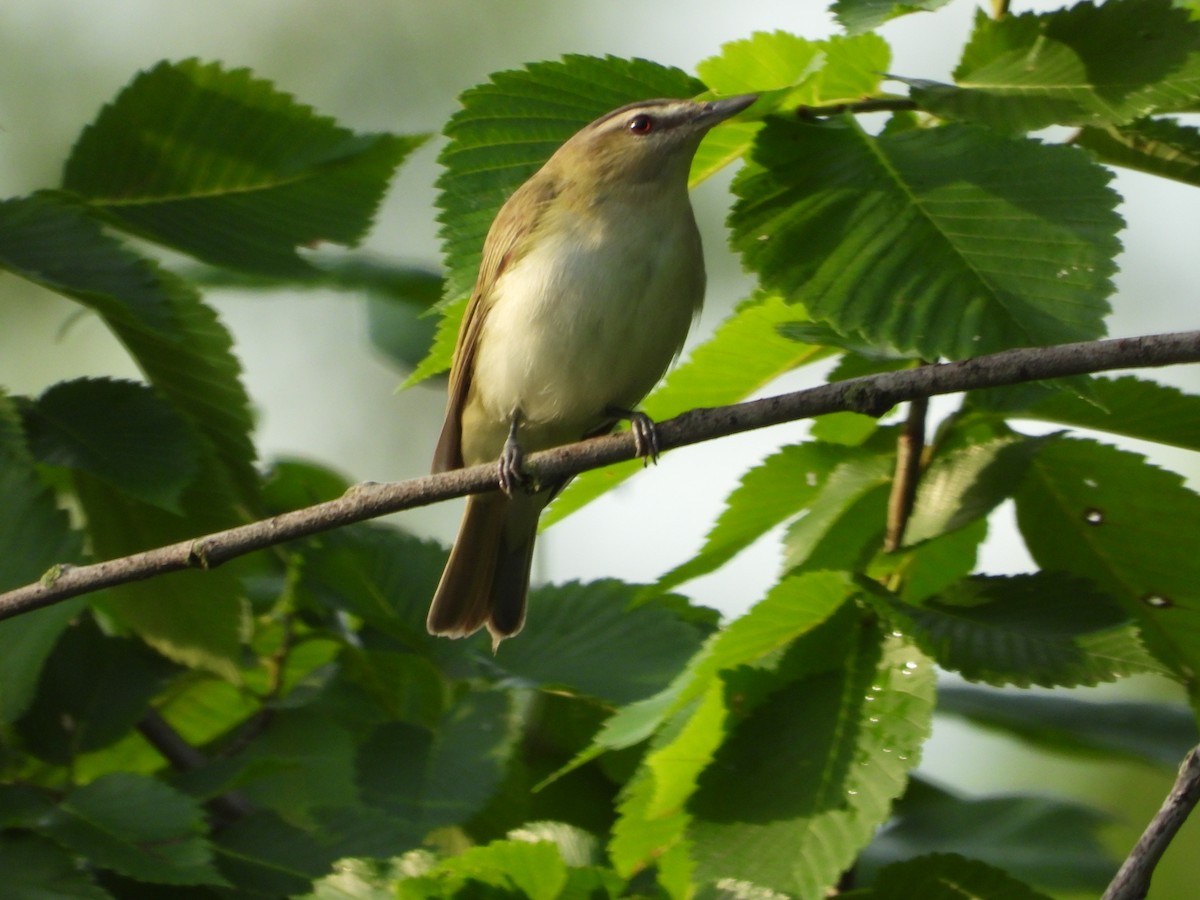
866	105
1132	881
873	395
909	448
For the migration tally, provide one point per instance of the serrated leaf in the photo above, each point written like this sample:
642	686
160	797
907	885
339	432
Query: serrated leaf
777	488
966	484
862	477
263	853
1129	406
93	690
431	778
935	564
591	638
1045	840
947	876
1075	66
194	618
744	354
119	431
862	15
801	785
1046	629
1157	733
511	125
221	165
1107	515
36	869
34	536
176	340
137	826
1159	147
877	214
533	870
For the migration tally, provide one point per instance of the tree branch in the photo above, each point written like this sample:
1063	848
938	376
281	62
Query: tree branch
908	473
873	395
1132	881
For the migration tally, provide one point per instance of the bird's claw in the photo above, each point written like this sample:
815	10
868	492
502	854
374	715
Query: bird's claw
645	437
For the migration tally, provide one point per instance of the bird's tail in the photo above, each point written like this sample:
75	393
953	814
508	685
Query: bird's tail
486	579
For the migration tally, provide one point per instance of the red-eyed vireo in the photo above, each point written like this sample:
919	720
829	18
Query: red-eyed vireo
591	275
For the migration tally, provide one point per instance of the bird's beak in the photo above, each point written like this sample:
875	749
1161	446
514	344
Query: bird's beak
715	111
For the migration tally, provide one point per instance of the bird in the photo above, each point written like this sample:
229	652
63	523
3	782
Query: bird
591	276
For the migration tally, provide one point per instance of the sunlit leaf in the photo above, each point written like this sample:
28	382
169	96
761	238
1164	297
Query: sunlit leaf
221	165
1160	147
877	215
860	15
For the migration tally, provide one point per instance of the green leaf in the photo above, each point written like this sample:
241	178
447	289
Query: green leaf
1075	66
222	166
745	354
947	876
765	61
34	536
803	782
533	870
861	478
263	853
591	638
1159	147
194	618
1157	733
35	869
933	565
119	431
93	690
177	341
863	15
426	778
136	826
777	488
511	125
877	214
1107	515
966	484
1129	406
1043	840
1046	629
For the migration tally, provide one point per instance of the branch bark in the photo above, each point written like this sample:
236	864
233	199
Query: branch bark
1132	881
873	395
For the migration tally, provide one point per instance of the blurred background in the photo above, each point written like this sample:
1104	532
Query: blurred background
322	392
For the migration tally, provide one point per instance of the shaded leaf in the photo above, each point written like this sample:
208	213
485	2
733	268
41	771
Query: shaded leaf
1128	405
35	869
591	638
1107	515
947	876
1076	66
966	484
861	15
119	431
177	341
94	689
223	166
136	826
261	852
1046	629
877	214
862	478
744	355
1157	733
34	536
1160	147
426	778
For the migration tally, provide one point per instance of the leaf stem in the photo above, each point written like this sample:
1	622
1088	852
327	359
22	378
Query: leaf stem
909	449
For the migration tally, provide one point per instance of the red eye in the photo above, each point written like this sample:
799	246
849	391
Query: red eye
641	124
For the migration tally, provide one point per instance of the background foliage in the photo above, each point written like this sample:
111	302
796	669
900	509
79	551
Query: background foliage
284	726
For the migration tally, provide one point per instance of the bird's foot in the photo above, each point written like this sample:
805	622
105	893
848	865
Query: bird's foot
644	431
512	460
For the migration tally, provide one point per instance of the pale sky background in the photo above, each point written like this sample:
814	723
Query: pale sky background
319	389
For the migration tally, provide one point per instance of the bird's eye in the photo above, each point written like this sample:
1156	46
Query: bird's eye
641	124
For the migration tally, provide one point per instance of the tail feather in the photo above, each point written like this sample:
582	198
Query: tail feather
486	579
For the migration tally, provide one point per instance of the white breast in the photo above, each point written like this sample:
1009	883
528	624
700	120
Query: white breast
561	350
